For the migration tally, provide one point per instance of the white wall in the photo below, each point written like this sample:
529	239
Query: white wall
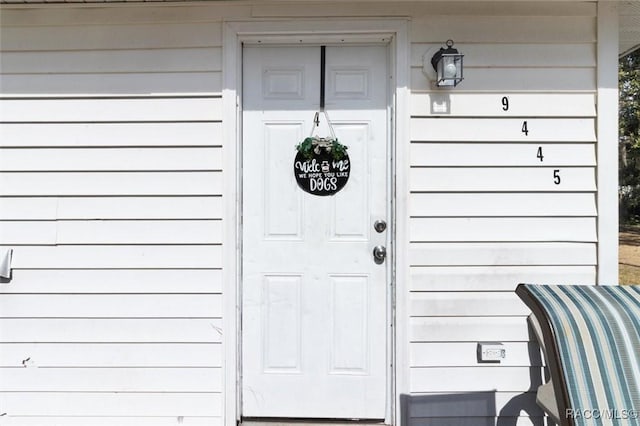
111	185
485	212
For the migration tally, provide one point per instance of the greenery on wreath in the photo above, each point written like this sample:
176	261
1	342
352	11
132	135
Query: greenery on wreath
314	146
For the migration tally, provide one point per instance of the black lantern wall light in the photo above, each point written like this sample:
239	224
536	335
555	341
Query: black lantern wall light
447	64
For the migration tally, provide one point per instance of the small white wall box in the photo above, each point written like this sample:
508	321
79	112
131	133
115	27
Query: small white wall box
491	352
5	263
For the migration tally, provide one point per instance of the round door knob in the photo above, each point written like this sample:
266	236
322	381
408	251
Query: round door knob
379	254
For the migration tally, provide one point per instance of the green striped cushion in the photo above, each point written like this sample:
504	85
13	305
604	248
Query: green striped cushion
597	333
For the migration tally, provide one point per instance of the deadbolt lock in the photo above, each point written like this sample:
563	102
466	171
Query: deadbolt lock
380	226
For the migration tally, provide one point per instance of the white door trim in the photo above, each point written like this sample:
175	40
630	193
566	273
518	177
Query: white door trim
361	30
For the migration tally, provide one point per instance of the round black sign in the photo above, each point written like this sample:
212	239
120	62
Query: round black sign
321	174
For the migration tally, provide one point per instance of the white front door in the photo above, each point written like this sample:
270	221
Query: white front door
314	302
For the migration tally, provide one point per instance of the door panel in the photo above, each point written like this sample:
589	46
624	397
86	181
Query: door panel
283	218
314	304
349	343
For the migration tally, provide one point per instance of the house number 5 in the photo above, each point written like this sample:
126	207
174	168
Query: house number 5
556	176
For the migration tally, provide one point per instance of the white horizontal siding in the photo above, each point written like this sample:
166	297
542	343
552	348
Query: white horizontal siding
80	379
72	35
111	330
502	229
502	154
485	204
150	109
113	420
130	60
111	306
112	134
468	329
501	254
517	55
111	183
502	179
118	256
195	70
133	14
469	303
418	10
460	104
111	232
104	281
486	212
155	207
464	354
524	29
474	379
115	83
496	278
506	129
169	404
517	79
110	159
101	355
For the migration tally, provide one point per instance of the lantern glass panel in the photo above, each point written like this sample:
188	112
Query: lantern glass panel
449	70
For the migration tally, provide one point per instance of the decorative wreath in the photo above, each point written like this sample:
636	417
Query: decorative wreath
315	145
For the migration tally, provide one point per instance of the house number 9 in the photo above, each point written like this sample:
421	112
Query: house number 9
505	103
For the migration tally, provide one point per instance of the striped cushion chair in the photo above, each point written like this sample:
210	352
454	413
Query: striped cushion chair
590	336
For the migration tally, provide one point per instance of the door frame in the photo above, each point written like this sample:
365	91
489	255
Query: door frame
315	31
